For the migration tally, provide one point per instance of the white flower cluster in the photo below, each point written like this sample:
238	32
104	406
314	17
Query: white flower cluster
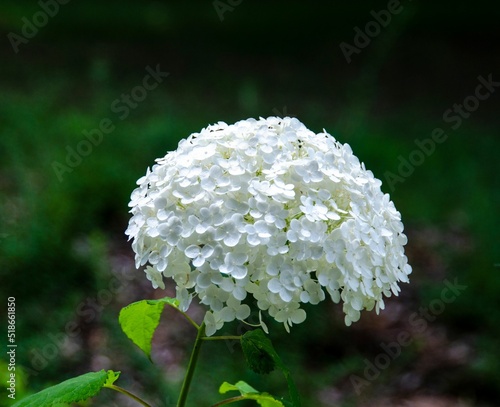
267	209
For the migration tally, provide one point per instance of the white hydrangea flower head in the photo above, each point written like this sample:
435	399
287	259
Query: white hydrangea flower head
267	212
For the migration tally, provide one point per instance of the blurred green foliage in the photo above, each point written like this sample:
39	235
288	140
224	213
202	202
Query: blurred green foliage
57	237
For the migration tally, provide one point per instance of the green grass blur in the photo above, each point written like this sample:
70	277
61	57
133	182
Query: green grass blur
62	236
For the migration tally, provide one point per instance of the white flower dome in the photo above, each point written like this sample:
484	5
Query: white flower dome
267	212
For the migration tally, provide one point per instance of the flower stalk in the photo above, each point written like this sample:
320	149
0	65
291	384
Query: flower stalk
128	394
229	401
191	366
222	338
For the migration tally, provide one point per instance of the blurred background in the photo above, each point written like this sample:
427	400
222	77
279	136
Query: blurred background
92	92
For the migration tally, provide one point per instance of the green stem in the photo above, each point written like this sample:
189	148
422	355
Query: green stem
229	401
221	338
189	319
191	366
128	394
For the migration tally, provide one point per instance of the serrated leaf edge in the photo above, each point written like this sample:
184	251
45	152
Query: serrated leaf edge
110	375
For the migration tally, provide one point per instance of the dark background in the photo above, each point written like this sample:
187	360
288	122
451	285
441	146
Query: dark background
63	252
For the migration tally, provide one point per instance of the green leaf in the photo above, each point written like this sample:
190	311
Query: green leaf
111	378
139	321
262	358
241	386
258	351
249	393
71	391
